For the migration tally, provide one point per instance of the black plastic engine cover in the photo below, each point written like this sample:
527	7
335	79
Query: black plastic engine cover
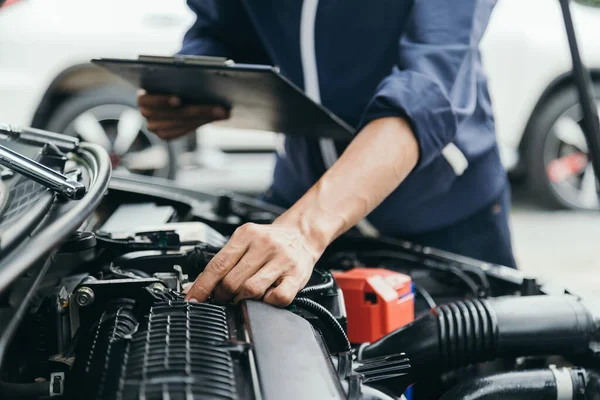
292	363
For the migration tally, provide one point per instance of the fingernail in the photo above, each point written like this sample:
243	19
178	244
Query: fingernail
174	101
219	112
193	300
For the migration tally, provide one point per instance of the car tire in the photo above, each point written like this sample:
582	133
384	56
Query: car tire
554	134
108	105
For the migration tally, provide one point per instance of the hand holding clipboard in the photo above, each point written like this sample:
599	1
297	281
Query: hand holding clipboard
255	96
170	118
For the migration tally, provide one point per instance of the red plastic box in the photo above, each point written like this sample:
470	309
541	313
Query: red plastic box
378	301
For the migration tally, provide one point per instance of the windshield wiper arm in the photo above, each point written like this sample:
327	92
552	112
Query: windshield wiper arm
41	174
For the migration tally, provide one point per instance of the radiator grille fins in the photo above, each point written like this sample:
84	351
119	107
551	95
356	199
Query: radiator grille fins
177	355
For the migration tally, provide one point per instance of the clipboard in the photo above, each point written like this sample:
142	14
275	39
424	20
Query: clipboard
259	96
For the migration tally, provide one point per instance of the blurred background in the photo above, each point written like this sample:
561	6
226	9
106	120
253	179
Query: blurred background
46	81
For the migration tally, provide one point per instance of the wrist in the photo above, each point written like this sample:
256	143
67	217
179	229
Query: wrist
318	227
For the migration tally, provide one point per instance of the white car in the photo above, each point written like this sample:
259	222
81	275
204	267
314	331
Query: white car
527	58
46	81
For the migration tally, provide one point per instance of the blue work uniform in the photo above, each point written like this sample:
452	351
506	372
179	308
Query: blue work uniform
363	60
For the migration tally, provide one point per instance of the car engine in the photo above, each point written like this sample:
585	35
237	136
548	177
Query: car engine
91	304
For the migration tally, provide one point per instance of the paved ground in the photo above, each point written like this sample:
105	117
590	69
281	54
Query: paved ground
560	245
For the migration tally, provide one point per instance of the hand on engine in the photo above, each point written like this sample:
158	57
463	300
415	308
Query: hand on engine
170	119
269	262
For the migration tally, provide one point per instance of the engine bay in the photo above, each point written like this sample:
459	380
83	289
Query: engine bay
91	305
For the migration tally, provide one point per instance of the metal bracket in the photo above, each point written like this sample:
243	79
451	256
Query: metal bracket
93	295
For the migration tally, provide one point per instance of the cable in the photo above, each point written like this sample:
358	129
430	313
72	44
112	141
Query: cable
419	262
425	295
325	316
485	283
321	287
466	279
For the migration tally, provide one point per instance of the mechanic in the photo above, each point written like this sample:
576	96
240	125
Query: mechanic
424	165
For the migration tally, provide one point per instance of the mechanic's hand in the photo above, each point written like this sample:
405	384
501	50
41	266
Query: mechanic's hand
269	262
170	119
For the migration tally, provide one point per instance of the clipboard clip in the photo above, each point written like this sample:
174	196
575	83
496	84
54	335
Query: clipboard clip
182	59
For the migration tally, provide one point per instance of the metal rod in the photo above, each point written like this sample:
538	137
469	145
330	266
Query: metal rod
41	174
583	81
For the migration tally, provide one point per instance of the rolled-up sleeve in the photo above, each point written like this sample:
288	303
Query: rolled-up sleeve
434	83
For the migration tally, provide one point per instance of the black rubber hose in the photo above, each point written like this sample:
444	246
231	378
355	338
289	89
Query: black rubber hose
18	261
322	287
592	389
325	316
523	385
33	390
466	332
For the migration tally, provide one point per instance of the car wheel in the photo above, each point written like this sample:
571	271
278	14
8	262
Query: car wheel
109	117
560	173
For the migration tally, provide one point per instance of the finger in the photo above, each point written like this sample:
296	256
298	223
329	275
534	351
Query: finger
146	112
155	125
172	134
257	286
158	100
248	265
216	269
208	112
196	111
186	287
284	293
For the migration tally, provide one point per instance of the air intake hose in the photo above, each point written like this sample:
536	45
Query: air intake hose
543	384
472	331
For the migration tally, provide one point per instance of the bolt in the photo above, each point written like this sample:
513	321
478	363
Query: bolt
84	296
158	287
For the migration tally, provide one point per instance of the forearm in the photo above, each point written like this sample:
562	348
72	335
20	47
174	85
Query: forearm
373	165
